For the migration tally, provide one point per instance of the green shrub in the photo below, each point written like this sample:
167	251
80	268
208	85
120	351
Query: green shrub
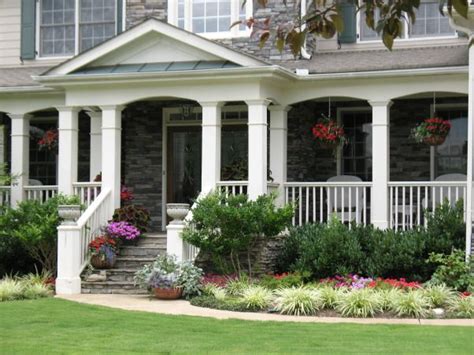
133	214
35	226
452	271
14	258
298	301
227	304
462	306
273	282
411	304
359	303
235	287
256	297
226	226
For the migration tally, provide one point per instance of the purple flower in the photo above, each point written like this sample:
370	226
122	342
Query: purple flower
122	230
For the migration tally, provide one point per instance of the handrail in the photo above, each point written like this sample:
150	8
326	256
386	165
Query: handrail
427	183
87	184
41	193
91	209
233	182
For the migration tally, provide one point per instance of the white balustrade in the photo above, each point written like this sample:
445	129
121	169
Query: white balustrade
315	202
233	187
5	193
87	191
41	193
409	201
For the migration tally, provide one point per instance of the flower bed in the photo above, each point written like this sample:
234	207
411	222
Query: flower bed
348	296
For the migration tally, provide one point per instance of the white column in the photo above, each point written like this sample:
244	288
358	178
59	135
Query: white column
68	148
278	147
111	151
257	147
20	156
380	163
211	145
95	160
68	281
470	154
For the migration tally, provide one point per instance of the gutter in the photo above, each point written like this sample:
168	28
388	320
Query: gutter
26	89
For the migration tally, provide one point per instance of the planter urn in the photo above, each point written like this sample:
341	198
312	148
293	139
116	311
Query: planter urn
177	211
69	213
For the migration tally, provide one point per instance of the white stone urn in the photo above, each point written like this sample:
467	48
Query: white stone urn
69	213
177	211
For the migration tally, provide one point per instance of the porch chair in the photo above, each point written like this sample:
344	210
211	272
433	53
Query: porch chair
443	193
33	182
351	194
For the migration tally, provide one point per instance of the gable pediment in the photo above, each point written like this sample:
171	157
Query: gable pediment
154	42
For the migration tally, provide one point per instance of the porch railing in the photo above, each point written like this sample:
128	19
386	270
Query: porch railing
87	191
317	201
240	187
409	201
41	193
5	193
91	221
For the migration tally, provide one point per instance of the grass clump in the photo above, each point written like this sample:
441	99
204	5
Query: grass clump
330	296
462	306
411	304
359	303
438	295
10	289
298	301
256	297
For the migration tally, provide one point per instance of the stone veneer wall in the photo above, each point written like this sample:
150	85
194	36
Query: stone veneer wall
138	10
142	156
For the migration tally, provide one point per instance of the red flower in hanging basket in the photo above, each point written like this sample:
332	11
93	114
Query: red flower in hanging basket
432	131
328	133
49	141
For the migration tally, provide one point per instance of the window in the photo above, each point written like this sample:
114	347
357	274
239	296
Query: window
451	156
210	18
429	23
70	26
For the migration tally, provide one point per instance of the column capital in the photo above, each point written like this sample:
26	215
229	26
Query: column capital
72	109
211	103
262	102
119	108
19	116
94	114
381	103
279	108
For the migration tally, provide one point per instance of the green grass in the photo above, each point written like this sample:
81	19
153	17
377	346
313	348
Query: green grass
56	326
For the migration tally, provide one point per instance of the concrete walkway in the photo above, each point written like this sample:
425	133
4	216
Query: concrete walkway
182	307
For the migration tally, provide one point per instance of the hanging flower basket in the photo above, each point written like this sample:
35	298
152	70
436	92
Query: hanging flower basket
328	133
49	141
432	131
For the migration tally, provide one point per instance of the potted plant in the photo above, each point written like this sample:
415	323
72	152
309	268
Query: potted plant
432	131
103	250
328	133
123	232
69	209
133	214
168	278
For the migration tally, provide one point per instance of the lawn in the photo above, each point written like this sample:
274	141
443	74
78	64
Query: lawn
58	326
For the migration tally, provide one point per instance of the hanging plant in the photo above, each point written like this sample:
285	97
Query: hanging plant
49	141
432	131
328	133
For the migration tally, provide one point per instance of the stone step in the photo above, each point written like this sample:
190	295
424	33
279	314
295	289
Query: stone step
111	287
121	275
151	251
132	262
153	239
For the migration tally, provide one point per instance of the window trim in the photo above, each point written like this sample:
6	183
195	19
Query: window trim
76	32
406	32
172	7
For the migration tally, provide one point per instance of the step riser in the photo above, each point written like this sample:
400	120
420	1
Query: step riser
117	291
131	264
142	252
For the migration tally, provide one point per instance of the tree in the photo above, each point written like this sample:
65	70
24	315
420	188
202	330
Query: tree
324	18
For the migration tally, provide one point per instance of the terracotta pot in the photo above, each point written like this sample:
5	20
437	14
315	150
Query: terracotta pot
168	293
434	140
99	263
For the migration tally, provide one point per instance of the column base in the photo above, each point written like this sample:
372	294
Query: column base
380	224
174	242
68	286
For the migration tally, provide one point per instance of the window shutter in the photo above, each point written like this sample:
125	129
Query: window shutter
28	29
119	16
348	12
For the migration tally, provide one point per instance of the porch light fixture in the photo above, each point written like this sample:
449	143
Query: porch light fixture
186	110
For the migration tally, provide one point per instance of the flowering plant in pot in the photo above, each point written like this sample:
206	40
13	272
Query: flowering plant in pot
168	278
432	131
123	232
328	133
103	250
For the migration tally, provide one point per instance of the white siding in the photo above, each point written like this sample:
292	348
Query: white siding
10	20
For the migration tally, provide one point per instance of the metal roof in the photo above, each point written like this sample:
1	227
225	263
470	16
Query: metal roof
156	67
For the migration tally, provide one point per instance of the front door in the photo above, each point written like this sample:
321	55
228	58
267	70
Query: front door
183	164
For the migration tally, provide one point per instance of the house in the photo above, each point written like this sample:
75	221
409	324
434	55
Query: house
166	99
